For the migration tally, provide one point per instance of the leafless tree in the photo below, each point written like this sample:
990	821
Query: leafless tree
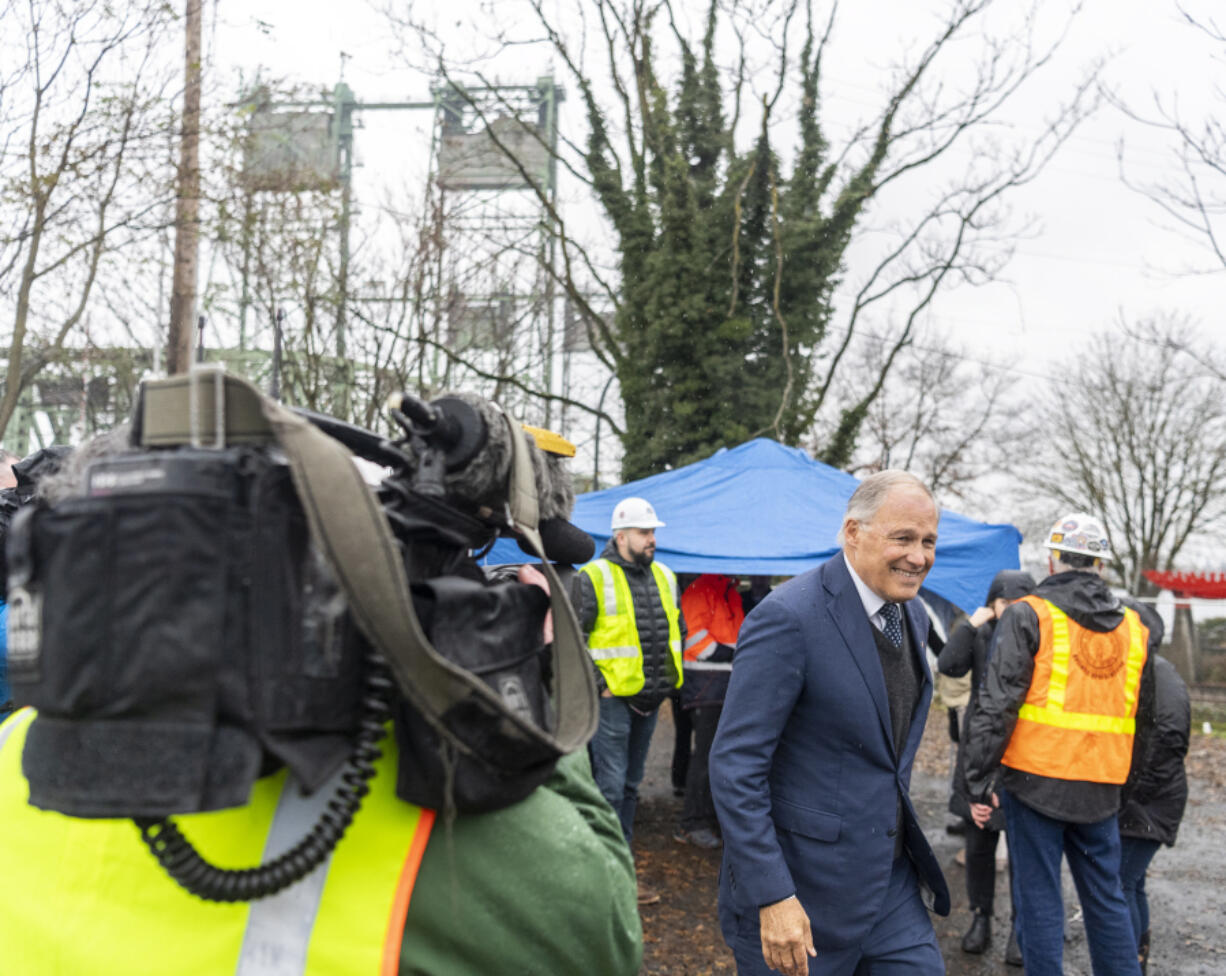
1133	428
1192	190
943	415
82	174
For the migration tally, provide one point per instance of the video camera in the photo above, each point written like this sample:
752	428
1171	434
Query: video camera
218	594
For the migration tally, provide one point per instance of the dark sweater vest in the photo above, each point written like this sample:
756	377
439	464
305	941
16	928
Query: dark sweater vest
902	688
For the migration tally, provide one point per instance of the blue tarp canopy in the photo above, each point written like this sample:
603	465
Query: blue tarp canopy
765	509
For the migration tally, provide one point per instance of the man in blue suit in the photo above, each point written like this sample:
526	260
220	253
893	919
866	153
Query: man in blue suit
825	869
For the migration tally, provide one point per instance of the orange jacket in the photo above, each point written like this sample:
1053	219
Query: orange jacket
711	606
1079	717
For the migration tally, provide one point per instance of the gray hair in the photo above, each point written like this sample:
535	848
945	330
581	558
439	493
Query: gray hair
867	499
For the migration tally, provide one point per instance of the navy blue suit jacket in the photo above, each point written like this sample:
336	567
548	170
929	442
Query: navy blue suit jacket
803	768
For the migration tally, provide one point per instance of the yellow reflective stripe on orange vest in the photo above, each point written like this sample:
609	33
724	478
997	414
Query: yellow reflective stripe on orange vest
1083	721
1052	739
1061	648
1138	651
1057	689
87	896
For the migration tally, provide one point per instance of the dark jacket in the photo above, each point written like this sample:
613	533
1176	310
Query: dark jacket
1086	598
659	672
706	689
967	650
1157	791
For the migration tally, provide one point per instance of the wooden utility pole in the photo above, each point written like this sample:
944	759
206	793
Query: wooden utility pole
187	206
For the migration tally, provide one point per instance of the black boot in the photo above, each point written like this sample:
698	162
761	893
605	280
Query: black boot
979	936
1013	952
1143	952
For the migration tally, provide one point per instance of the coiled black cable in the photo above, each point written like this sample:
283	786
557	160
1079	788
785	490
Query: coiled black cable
185	865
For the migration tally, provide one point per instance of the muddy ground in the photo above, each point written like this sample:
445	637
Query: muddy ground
1186	884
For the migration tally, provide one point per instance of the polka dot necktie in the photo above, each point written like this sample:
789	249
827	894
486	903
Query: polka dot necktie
892	617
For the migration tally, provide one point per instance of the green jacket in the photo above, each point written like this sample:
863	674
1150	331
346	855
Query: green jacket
544	887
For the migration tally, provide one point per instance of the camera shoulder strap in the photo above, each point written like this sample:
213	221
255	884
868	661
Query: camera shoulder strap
576	685
349	527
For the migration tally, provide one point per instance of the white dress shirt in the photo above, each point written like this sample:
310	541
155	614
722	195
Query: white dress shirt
872	602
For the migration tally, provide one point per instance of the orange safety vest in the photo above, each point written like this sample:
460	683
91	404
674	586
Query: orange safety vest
713	615
1079	717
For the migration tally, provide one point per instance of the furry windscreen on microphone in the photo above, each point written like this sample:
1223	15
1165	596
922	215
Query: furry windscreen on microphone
482	482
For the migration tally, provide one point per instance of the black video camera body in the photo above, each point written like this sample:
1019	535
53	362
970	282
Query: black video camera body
178	634
185	619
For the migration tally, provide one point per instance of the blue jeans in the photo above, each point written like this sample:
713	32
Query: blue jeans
619	756
1036	845
1135	855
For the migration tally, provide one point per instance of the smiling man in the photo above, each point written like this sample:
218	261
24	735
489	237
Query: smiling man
826	870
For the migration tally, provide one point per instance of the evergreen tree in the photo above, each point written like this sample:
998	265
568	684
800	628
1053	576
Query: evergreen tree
724	324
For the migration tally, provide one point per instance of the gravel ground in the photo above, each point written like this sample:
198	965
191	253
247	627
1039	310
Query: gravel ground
1186	884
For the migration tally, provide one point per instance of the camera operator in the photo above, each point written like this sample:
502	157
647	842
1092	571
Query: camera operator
544	884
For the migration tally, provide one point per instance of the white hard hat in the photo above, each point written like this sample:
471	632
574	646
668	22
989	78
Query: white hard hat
634	513
1080	533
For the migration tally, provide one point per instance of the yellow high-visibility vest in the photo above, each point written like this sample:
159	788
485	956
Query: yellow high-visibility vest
1079	718
614	642
87	896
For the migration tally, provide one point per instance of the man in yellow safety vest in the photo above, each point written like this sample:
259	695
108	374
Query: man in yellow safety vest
1068	684
628	606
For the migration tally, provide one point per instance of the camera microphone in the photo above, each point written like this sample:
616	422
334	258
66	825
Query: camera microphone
564	542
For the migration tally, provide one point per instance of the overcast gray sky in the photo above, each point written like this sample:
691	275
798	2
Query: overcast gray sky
1099	249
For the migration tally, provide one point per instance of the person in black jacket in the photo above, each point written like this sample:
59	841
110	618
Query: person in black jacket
967	650
1155	795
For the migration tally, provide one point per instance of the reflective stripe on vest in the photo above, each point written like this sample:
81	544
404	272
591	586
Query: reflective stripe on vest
614	642
87	896
1079	717
708	665
699	644
698	648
